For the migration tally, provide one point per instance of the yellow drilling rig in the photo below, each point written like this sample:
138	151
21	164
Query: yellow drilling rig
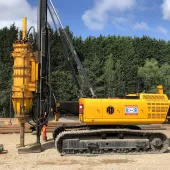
107	125
25	78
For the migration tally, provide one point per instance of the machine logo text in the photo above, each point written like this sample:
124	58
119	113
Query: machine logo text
131	110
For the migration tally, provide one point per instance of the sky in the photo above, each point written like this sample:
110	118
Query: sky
94	17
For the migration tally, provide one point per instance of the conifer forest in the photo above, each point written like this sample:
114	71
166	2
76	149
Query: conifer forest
115	65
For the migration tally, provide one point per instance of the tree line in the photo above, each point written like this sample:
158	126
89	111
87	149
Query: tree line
115	65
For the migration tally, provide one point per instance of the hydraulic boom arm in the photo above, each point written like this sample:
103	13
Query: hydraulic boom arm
69	50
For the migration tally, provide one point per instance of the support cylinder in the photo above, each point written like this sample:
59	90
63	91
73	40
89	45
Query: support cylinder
24	28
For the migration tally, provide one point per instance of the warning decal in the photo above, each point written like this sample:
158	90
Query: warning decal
131	110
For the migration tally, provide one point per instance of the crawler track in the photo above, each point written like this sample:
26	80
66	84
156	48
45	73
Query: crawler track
111	141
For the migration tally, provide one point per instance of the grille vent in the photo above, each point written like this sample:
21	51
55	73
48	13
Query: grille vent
154	97
156	116
157	110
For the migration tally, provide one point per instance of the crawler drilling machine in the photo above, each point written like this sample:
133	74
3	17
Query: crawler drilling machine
107	125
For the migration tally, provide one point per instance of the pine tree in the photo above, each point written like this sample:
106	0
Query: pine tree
7	38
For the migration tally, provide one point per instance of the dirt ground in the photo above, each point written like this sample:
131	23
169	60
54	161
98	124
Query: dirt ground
49	159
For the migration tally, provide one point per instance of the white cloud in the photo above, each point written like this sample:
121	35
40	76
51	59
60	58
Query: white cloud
121	22
12	11
97	17
162	30
141	26
166	9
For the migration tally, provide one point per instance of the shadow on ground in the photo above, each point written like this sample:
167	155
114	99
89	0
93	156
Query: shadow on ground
48	145
4	152
167	151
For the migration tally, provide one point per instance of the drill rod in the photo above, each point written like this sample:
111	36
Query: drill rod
22	134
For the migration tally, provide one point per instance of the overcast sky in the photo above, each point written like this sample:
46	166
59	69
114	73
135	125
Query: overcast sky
95	17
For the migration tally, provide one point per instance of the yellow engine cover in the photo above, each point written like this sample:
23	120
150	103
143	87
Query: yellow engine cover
148	109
